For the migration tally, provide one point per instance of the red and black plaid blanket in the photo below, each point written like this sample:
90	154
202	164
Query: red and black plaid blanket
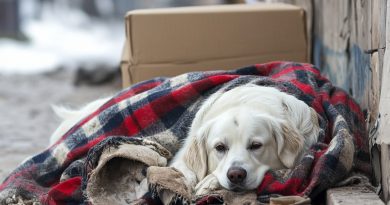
57	175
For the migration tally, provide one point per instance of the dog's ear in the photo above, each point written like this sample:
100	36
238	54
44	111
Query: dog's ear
195	156
289	142
302	117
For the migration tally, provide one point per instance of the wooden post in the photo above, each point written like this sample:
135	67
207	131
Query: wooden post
384	109
9	18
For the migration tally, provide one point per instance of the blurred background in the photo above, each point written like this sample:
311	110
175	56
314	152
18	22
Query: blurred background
58	52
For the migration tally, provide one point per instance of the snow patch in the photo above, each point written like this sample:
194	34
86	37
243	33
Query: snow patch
62	38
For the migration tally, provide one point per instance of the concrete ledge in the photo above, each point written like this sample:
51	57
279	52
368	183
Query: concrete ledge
352	195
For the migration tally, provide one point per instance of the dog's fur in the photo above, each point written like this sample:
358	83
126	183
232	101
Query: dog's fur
70	117
250	128
240	133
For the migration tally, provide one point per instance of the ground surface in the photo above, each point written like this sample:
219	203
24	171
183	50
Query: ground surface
26	118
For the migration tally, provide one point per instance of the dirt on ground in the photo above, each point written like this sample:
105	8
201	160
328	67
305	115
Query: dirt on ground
26	117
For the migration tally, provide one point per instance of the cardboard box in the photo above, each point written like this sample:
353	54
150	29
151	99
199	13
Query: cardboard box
172	41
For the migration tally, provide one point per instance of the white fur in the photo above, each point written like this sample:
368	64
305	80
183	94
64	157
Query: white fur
238	119
71	117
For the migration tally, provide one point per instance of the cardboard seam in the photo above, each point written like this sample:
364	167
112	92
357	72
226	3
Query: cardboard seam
305	27
220	59
131	40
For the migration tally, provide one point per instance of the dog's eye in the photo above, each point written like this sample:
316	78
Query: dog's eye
255	146
220	147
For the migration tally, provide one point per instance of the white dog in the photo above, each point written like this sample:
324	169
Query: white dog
238	135
235	138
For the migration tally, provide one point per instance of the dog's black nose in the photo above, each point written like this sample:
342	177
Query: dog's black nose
236	175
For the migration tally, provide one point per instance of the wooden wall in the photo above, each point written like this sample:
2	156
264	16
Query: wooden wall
384	110
348	47
348	40
347	43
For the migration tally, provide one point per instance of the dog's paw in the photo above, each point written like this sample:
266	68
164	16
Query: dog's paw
207	185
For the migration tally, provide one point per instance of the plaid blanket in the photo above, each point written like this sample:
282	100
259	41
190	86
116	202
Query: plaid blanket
56	175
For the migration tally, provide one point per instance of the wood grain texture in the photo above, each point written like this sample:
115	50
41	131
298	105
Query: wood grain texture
352	196
385	166
384	109
349	41
346	40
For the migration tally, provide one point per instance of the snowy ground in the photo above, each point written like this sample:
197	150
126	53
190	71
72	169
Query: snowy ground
62	38
26	119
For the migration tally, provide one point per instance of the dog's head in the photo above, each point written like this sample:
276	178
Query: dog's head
239	142
242	144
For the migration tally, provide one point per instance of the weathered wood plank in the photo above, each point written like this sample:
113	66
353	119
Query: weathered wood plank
331	35
342	34
385	166
378	41
384	109
352	195
347	40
